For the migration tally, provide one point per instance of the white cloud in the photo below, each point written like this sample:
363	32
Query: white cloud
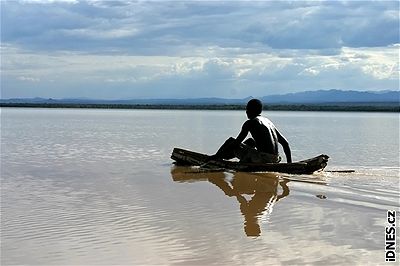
377	62
30	79
248	74
100	34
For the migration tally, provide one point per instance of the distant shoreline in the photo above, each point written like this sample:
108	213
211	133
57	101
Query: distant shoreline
339	107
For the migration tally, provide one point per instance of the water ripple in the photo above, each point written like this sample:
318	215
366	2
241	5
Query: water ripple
95	187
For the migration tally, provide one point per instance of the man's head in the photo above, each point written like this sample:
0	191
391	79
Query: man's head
253	108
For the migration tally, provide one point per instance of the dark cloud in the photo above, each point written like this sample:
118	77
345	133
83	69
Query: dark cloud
329	25
169	27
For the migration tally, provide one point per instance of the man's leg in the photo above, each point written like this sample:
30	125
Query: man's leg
227	150
247	153
250	142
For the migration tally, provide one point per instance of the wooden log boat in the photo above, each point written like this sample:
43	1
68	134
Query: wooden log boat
309	166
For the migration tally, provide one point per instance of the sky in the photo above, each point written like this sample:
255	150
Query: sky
190	49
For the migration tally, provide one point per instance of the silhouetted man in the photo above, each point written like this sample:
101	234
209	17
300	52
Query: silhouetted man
262	147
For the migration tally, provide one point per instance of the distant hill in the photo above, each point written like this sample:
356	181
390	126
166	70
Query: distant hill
187	101
334	96
306	97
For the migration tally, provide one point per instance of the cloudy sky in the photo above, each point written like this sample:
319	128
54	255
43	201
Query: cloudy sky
180	49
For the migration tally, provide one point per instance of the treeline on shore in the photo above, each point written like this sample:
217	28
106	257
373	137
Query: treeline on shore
272	107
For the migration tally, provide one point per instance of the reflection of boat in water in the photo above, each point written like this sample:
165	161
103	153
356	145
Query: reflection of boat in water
255	193
185	157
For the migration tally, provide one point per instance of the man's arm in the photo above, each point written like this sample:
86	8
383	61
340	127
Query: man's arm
243	133
285	144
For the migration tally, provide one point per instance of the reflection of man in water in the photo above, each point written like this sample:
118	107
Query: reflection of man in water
265	194
262	187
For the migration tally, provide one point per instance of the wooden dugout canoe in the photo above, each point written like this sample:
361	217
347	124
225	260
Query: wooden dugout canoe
309	166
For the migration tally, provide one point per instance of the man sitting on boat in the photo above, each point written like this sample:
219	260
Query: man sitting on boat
262	147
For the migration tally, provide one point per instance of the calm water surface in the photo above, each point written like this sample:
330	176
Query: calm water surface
97	187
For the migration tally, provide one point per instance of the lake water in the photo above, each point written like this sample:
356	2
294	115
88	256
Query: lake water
98	187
